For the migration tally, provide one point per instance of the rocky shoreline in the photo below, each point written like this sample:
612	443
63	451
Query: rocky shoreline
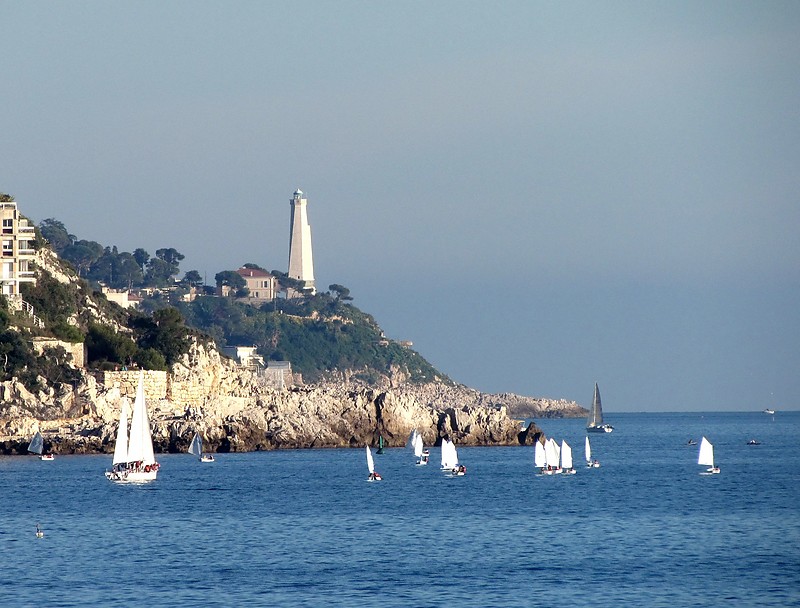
235	411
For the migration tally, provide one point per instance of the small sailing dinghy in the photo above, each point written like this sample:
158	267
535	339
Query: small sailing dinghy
552	457
36	446
566	459
450	459
415	443
706	457
134	460
373	475
539	458
594	423
592	464
196	449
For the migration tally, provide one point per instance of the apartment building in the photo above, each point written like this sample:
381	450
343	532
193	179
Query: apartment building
18	252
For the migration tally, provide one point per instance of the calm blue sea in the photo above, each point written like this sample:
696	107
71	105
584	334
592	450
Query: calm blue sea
305	528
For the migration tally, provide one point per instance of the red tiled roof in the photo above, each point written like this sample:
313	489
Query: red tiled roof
252	272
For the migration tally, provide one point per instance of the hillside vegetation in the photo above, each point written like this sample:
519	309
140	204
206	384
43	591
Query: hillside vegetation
324	336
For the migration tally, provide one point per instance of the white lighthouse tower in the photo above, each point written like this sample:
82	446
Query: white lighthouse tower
301	262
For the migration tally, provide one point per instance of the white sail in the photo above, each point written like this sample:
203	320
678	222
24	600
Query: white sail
566	455
121	447
539	458
706	454
419	448
412	438
140	442
588	450
370	463
550	453
449	454
196	447
37	443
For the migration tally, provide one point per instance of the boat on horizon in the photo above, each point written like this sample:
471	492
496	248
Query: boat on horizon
754	442
769	411
706	457
134	460
594	423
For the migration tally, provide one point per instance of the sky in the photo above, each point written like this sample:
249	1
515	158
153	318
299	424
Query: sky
539	195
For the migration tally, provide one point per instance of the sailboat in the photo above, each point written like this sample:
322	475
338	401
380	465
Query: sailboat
539	458
588	450
566	459
37	445
373	475
551	455
450	459
196	449
415	443
133	454
706	456
594	423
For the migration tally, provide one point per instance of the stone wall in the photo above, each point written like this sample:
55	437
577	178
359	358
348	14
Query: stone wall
76	350
155	383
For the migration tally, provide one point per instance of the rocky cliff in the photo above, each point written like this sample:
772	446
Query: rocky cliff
236	410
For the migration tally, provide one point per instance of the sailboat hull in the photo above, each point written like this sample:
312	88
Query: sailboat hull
603	428
131	476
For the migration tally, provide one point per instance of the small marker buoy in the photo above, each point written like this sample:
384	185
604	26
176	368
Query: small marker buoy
39	532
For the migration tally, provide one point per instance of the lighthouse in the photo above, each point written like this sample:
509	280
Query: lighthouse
301	262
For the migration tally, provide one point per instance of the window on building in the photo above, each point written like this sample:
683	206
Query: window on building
8	226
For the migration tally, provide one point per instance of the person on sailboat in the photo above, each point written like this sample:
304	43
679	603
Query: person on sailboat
375	476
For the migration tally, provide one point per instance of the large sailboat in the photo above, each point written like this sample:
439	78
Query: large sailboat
594	423
134	460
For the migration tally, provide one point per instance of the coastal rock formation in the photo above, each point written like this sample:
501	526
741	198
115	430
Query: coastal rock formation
235	410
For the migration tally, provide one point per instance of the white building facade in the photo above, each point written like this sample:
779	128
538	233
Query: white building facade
17	249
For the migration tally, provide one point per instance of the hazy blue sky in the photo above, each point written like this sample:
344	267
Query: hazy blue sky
540	195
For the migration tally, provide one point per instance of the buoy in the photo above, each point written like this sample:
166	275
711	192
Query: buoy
39	533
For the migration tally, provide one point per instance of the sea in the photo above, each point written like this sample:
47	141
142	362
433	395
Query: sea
306	528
